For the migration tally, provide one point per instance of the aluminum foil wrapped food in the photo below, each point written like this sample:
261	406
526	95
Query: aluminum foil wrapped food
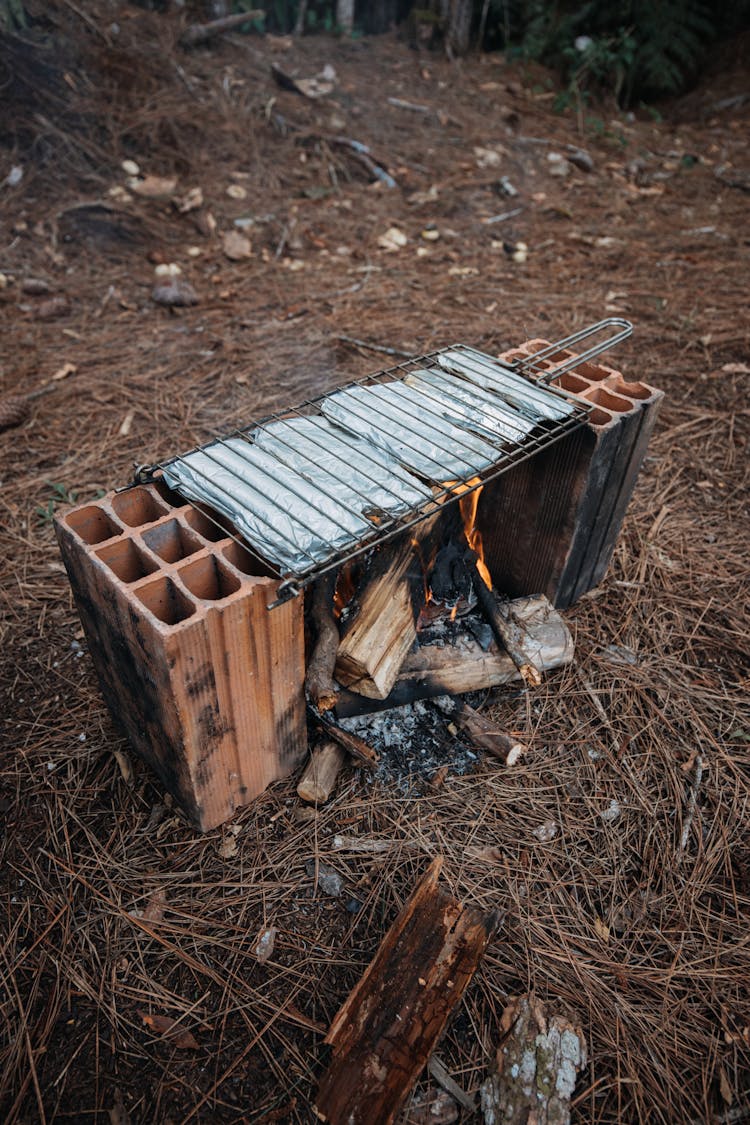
299	490
480	411
424	434
532	399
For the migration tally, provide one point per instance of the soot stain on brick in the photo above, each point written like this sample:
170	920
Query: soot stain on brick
202	681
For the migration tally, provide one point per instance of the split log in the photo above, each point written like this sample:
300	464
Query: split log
320	773
454	669
387	1028
198	33
372	651
319	686
535	1067
504	627
352	743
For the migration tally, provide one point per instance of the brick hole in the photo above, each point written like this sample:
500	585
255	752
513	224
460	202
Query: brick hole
92	524
127	561
210	527
599	417
168	495
594	371
171	541
612	402
137	506
246	562
573	383
207	579
632	390
165	601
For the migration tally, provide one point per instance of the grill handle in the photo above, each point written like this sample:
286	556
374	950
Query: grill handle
624	327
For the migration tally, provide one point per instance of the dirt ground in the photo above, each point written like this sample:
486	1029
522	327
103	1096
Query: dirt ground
115	915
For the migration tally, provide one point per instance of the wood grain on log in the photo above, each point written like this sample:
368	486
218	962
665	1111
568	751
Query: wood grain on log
454	669
386	1030
320	773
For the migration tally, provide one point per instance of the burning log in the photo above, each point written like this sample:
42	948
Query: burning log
507	631
319	775
319	686
454	669
535	1067
388	1026
372	651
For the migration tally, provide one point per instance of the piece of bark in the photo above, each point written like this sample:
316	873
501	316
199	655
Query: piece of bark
505	629
536	1065
454	669
386	1029
319	685
319	775
198	33
372	651
352	743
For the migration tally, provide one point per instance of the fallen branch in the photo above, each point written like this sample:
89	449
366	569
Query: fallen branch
198	33
355	746
484	734
375	347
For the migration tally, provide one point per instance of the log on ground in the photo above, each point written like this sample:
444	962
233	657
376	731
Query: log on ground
386	1030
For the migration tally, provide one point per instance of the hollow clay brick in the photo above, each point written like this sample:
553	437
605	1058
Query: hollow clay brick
204	679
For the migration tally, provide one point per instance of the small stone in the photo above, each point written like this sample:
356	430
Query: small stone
167	269
35	286
329	880
174	293
237	247
236	191
130	168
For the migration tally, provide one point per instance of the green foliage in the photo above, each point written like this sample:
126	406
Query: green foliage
60	495
12	15
632	48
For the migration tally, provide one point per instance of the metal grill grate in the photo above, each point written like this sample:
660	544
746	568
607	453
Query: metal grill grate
312	487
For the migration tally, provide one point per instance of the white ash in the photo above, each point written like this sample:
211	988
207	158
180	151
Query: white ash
412	741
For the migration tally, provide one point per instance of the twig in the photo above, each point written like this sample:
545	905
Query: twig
375	347
443	1078
399	103
199	33
503	216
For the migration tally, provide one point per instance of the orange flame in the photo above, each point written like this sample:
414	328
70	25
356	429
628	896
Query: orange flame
345	588
467	506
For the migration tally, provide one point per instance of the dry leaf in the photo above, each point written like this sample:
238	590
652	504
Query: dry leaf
155	907
153	187
126	770
127	424
190	201
602	929
172	1031
736	369
64	371
393	239
227	848
484	855
265	943
727	1092
236	246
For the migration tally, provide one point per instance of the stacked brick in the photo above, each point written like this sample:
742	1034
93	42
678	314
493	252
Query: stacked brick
205	681
550	524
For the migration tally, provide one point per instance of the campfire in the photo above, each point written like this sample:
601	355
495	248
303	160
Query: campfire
406	537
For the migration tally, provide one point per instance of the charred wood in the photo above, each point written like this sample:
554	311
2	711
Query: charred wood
387	1028
506	630
356	747
319	686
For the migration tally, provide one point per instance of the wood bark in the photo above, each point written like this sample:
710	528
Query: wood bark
352	743
345	16
386	1030
319	775
371	653
454	669
535	1070
319	685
